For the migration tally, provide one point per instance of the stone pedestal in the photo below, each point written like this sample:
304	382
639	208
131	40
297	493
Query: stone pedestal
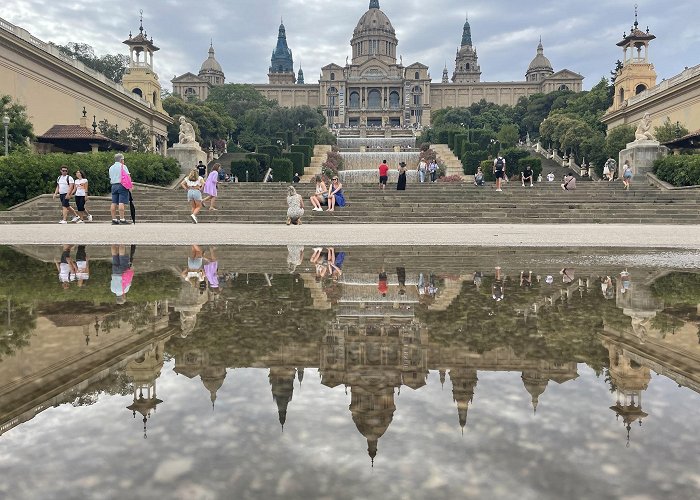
641	156
187	155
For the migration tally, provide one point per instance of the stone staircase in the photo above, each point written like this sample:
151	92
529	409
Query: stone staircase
315	168
452	163
592	202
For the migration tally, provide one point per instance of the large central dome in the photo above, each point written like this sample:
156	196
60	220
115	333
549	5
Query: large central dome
374	37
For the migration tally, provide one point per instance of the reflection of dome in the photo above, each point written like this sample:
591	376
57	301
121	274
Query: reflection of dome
188	320
535	384
373	19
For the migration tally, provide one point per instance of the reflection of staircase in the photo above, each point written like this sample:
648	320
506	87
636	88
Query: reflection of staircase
320	300
452	163
320	153
450	291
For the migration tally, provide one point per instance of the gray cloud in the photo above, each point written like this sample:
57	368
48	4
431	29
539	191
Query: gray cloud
575	36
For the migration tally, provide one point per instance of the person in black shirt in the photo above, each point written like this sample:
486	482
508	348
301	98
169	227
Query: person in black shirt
202	169
296	178
527	175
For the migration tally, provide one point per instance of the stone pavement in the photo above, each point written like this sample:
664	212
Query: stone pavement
497	235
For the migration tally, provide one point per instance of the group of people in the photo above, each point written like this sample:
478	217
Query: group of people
610	171
195	184
68	187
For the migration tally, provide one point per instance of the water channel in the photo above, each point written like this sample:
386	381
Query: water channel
365	372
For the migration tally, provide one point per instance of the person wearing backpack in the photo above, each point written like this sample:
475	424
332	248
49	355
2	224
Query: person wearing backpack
499	170
65	185
118	174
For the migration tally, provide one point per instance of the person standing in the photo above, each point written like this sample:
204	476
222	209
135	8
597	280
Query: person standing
65	185
401	183
210	187
202	169
432	169
422	169
383	175
81	194
627	174
499	170
609	169
120	195
193	185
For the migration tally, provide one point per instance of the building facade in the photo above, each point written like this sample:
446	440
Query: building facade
198	86
373	88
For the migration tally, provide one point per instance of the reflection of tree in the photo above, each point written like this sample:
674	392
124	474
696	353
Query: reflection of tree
678	288
113	384
18	323
666	322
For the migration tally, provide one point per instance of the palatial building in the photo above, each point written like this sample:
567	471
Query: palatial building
374	88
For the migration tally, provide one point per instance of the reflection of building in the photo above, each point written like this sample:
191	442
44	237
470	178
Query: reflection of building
143	372
282	385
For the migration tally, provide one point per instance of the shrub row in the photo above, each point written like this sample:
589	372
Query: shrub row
679	170
23	176
513	169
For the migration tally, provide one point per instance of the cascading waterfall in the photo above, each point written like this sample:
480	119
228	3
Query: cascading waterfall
363	167
376	142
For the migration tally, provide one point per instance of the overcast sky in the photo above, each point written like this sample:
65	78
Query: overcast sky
578	35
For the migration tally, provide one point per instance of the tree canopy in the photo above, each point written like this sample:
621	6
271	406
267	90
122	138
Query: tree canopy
20	129
112	66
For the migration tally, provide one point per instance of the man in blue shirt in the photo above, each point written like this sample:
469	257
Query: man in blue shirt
120	195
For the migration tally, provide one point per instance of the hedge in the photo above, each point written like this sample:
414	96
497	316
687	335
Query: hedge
239	168
513	157
307	151
472	159
283	169
451	139
272	151
23	176
679	170
459	140
263	163
307	141
297	160
441	137
482	137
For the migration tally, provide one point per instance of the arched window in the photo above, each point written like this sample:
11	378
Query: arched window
332	76
374	99
622	95
138	92
332	97
417	96
189	91
155	98
563	87
467	66
354	100
394	100
640	88
417	76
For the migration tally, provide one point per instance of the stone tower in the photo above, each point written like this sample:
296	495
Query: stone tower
445	75
467	68
300	77
540	67
139	77
281	63
637	73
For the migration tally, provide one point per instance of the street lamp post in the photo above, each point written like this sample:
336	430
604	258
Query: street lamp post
6	123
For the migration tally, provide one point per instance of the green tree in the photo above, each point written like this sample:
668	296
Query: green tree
211	123
236	98
112	66
137	136
617	140
508	135
20	129
670	131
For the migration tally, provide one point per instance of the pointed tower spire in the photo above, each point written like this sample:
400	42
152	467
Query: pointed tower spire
373	4
445	79
467	34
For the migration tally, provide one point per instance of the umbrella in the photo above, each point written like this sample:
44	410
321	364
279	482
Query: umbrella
132	208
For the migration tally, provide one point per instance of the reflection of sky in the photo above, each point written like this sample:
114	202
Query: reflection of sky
572	447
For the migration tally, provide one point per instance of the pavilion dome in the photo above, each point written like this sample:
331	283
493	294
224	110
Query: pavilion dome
211	64
372	21
540	62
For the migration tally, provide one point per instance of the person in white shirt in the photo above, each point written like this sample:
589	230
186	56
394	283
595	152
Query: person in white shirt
65	185
81	192
550	177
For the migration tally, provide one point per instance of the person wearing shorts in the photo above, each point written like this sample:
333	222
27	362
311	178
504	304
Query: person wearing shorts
81	191
383	175
193	185
120	195
499	171
65	185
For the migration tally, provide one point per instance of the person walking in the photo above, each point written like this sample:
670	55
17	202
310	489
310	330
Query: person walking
210	187
120	195
65	185
432	169
422	170
401	183
202	169
609	169
81	195
383	175
193	185
499	170
295	206
627	175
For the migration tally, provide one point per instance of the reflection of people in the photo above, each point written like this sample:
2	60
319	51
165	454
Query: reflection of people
401	277
65	267
82	266
625	281
295	256
567	275
335	262
526	279
382	285
498	288
211	270
122	273
477	279
607	287
643	132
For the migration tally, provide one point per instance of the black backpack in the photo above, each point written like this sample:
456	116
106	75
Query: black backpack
499	163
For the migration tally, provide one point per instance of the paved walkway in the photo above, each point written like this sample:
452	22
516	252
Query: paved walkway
510	235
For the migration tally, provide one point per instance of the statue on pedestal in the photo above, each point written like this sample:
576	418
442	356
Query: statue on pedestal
186	135
643	132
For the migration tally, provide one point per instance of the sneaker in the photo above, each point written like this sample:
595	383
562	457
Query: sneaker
194	218
79	221
318	209
124	222
89	217
62	222
499	190
115	222
75	219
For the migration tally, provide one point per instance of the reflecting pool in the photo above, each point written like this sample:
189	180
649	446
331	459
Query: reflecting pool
366	372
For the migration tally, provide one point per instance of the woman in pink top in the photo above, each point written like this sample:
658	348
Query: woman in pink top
210	186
